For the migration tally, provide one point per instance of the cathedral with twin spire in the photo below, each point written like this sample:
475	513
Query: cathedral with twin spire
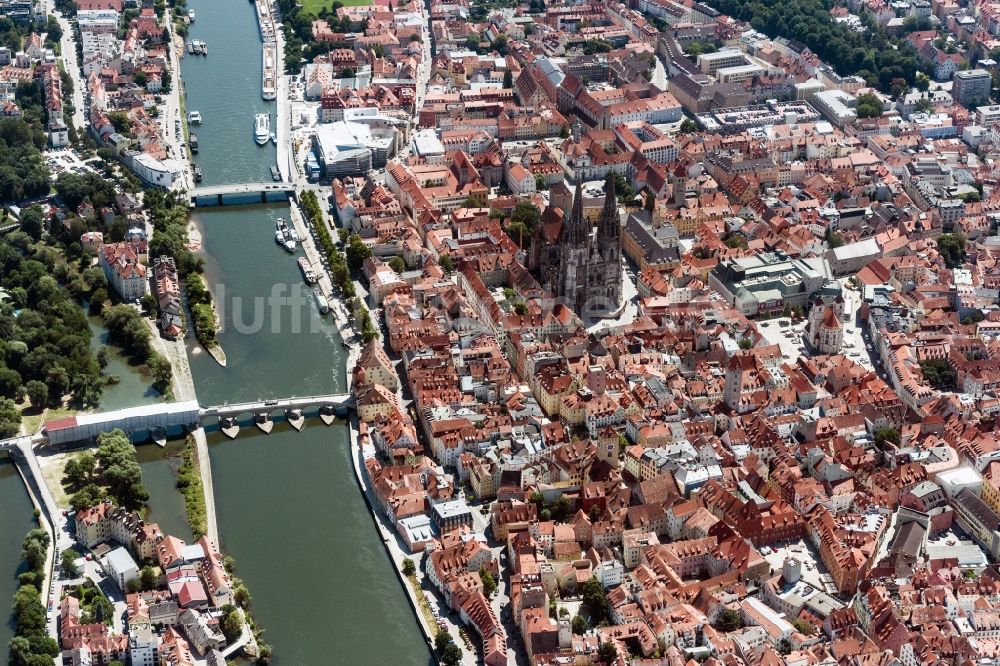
582	268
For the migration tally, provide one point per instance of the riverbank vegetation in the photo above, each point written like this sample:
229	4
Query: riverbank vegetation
169	214
203	317
190	484
128	330
31	645
113	472
447	651
242	598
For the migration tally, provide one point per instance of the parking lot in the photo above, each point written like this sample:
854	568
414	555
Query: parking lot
60	161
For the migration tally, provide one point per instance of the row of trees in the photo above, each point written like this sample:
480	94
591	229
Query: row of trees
447	651
871	54
341	263
31	645
189	483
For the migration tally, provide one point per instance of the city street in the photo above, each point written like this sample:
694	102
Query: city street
67	45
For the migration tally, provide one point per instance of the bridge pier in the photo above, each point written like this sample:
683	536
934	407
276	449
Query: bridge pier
229	426
264	422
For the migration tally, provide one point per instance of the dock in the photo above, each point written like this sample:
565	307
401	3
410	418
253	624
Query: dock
269	55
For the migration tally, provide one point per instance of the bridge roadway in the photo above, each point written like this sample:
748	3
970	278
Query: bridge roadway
241	188
172	415
337	400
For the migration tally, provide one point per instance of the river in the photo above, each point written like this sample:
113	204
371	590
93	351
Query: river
289	509
15	521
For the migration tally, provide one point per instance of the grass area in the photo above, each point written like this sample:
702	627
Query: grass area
313	6
32	423
425	608
53	468
189	483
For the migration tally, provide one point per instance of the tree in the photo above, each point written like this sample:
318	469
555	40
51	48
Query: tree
951	247
869	106
10	383
939	374
442	639
607	653
161	370
452	655
29	613
736	241
688	126
147	578
580	625
508	79
80	470
886	435
804	627
33	221
232	622
728	619
34	548
833	239
446	263
489	582
10	418
86	497
127	329
623	189
357	252
38	394
409	568
120	470
594	601
397	264
140	78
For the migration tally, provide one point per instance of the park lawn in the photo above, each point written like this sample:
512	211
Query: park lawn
313	6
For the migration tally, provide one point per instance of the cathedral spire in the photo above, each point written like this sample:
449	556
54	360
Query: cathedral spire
609	223
576	229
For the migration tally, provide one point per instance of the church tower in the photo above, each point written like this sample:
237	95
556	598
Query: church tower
609	225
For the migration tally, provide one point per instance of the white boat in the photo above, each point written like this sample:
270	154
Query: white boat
262	128
283	235
191	15
321	302
194	118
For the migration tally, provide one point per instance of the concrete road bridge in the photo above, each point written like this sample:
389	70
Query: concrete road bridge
241	194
